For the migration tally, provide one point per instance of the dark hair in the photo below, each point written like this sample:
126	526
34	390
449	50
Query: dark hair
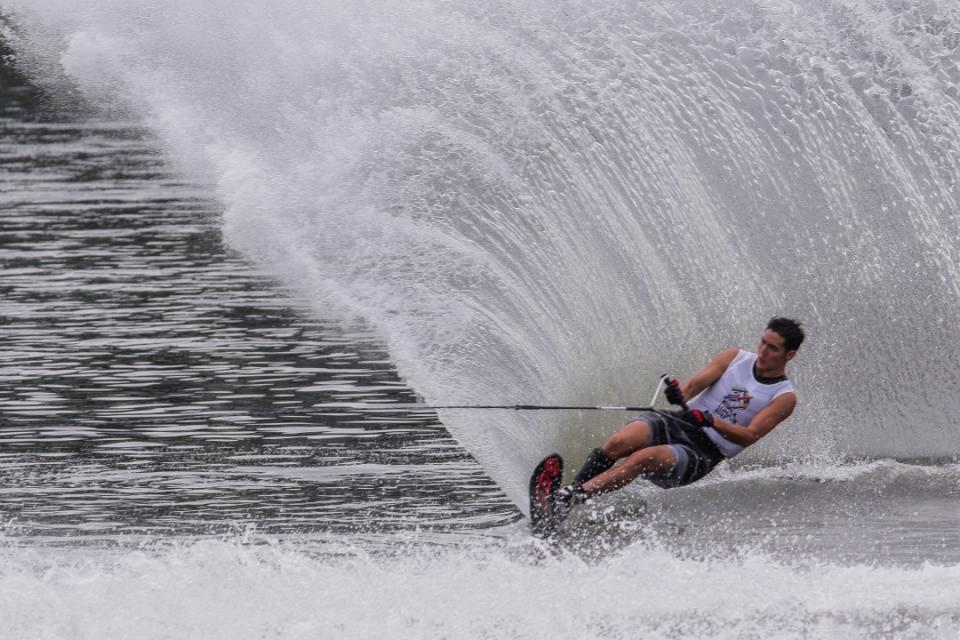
789	330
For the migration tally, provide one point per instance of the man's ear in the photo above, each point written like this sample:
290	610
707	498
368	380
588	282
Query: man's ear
791	355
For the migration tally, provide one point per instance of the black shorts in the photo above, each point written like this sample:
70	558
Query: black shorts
696	453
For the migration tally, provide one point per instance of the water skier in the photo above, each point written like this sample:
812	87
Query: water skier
730	404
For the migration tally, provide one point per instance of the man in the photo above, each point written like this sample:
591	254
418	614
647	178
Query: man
738	398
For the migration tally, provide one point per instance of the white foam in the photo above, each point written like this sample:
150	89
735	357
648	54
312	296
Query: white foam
229	590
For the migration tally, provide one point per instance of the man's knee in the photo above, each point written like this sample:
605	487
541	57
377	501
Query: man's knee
632	437
652	460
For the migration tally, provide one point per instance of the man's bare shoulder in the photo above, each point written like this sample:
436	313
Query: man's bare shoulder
779	409
725	357
714	369
786	401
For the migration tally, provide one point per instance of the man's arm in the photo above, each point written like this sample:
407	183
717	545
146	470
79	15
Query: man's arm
762	423
709	374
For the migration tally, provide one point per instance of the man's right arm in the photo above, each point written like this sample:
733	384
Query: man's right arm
709	374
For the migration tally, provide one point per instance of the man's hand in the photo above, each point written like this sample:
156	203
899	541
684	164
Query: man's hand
673	392
698	418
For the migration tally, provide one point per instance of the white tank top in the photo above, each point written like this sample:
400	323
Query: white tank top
737	397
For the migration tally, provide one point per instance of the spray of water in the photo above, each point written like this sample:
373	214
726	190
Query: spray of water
557	201
214	590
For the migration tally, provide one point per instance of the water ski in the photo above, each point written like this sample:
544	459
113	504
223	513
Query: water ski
543	484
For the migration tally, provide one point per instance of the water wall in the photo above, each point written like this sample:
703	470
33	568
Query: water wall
554	202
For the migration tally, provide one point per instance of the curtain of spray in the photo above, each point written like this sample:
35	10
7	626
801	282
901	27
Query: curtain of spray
555	202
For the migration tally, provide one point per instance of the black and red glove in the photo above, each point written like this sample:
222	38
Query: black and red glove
698	418
673	392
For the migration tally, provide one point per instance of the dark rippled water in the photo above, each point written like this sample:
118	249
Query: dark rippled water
151	382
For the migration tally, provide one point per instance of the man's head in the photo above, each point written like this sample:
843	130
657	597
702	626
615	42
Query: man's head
778	346
789	330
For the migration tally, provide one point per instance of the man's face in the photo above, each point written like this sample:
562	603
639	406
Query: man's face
771	354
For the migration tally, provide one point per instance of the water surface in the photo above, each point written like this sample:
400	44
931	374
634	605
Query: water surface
154	383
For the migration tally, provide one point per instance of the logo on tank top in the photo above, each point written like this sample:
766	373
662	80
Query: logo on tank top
737	400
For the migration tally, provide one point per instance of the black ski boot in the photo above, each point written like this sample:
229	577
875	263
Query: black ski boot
596	463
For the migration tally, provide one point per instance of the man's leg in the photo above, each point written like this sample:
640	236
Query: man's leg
647	461
629	438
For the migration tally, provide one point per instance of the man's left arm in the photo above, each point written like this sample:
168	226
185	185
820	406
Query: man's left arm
762	423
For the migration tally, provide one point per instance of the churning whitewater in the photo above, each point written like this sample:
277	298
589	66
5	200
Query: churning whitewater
542	203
